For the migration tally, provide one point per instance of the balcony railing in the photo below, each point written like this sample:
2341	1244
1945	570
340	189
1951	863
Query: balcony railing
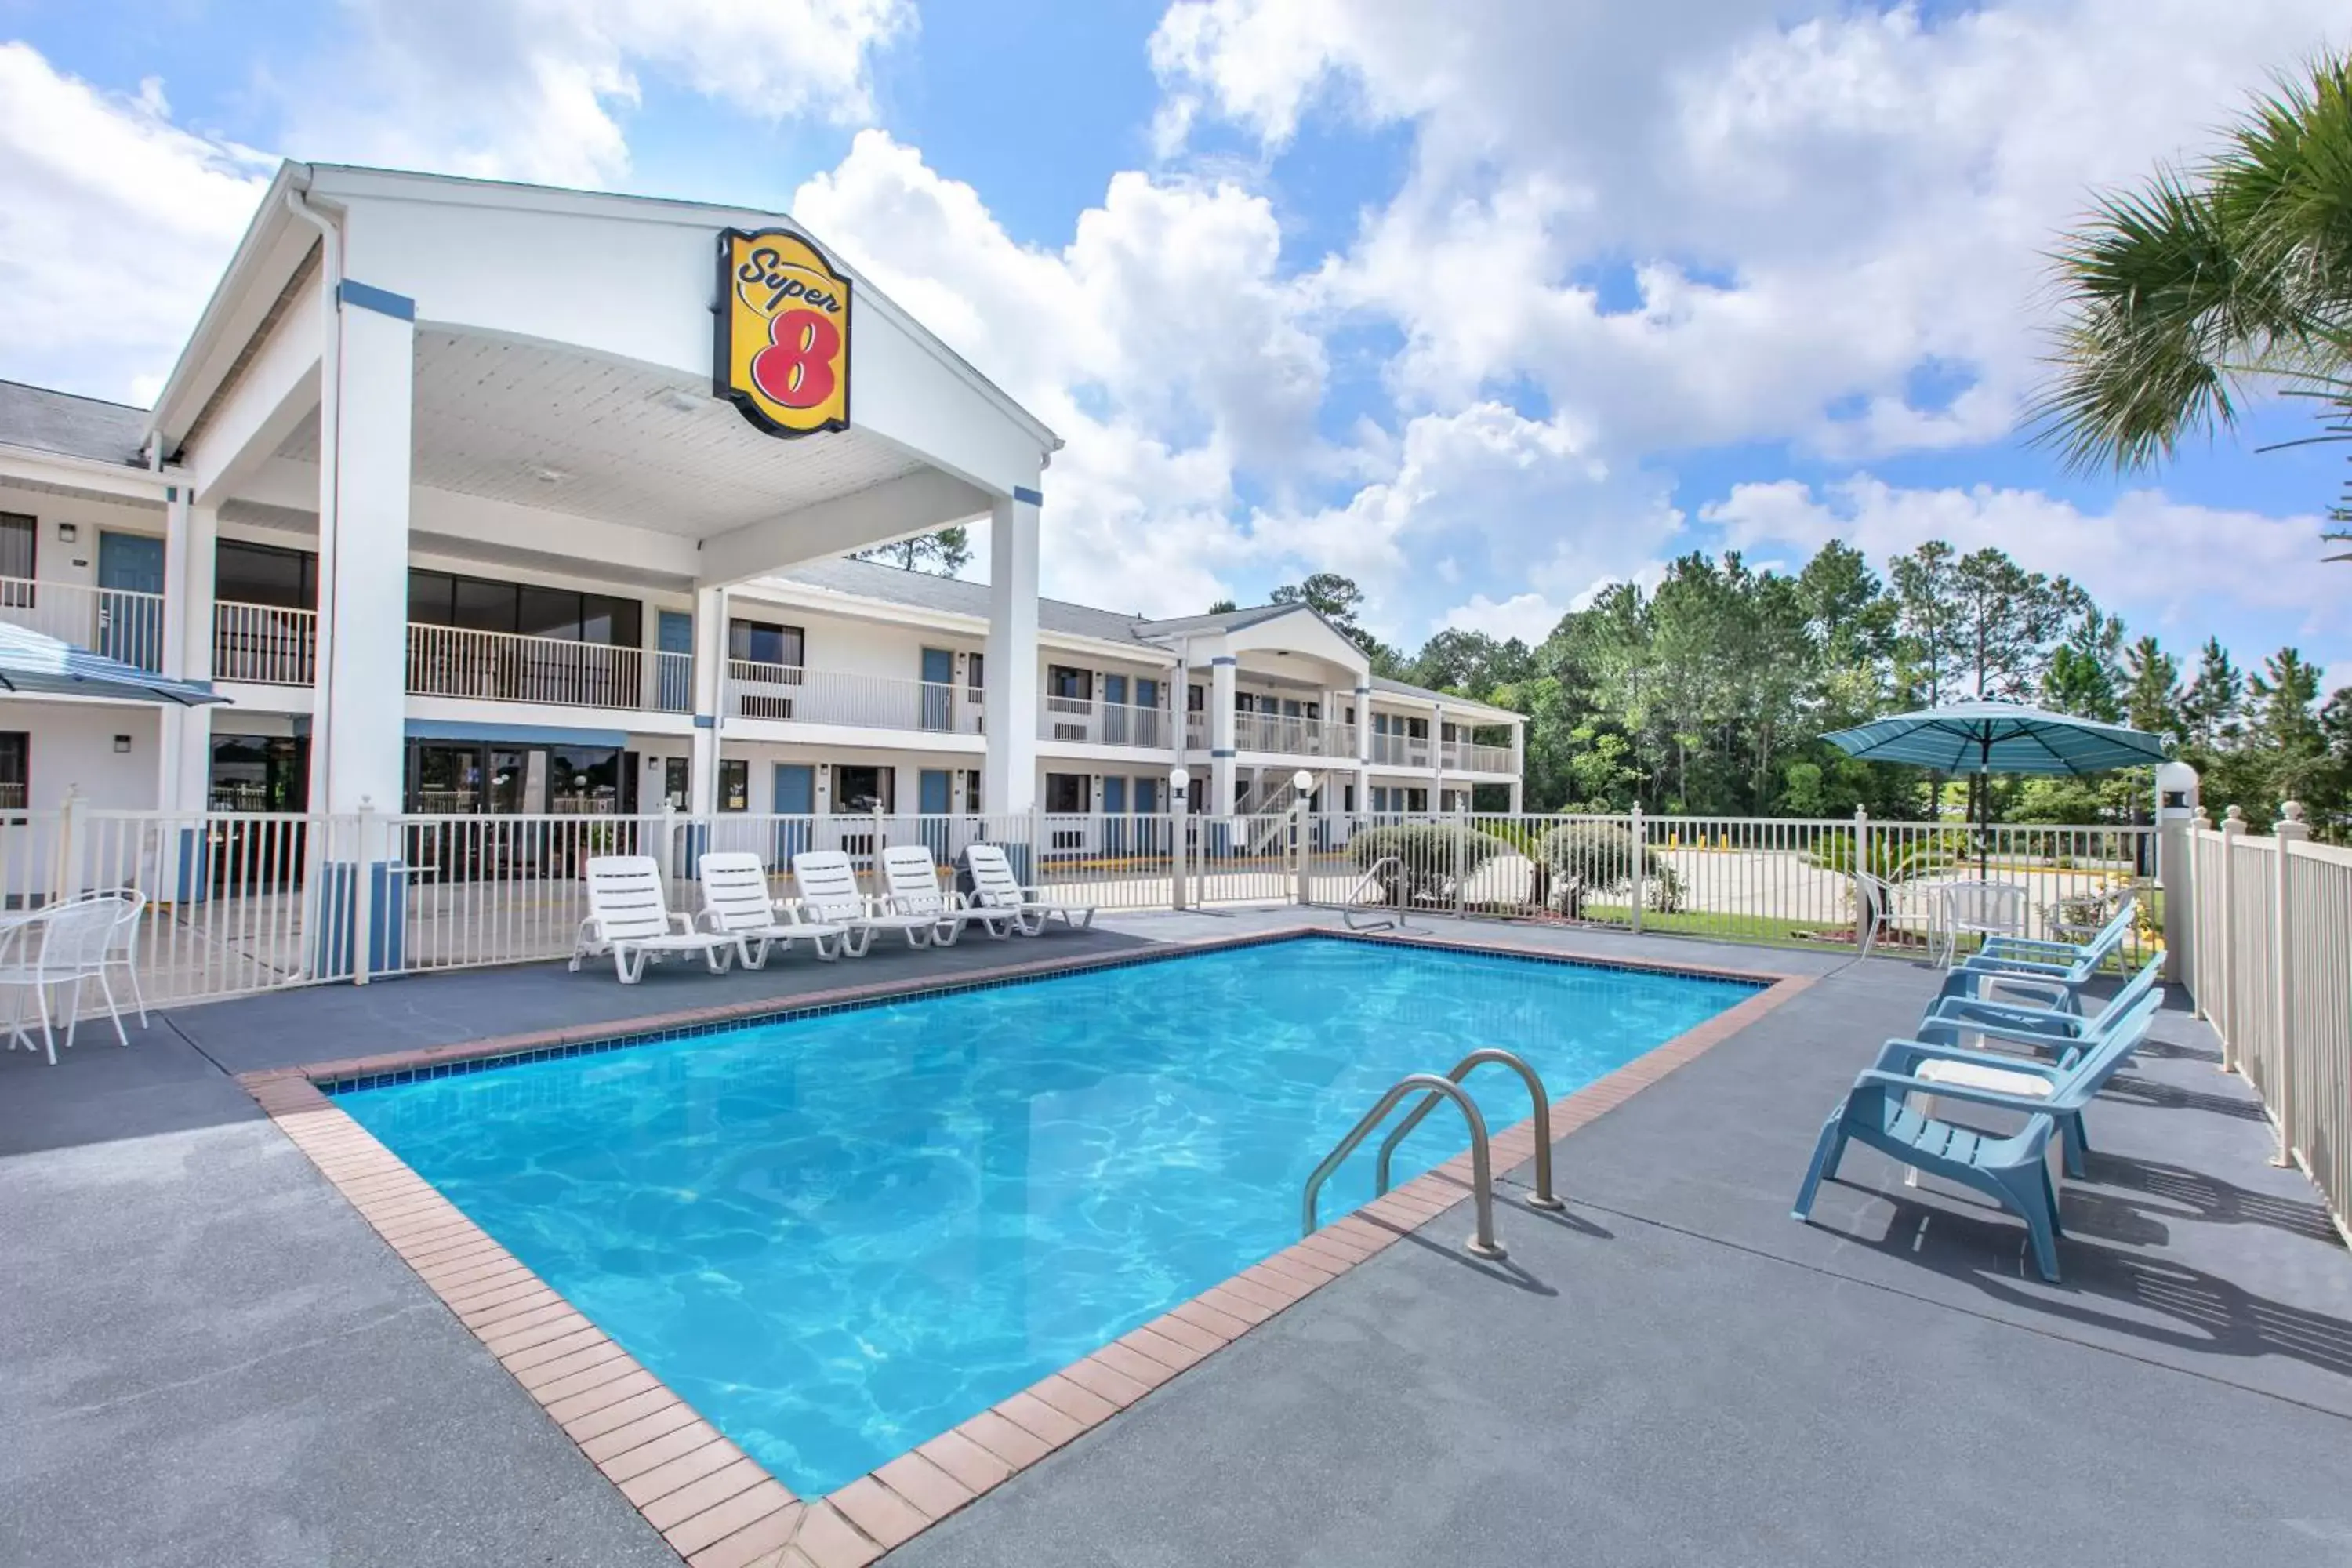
268	645
1465	757
499	667
1102	724
792	694
120	623
265	645
1401	751
1292	737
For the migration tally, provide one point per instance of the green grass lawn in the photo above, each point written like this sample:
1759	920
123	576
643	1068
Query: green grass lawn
1764	929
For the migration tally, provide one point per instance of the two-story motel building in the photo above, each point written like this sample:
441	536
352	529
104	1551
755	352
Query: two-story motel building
488	499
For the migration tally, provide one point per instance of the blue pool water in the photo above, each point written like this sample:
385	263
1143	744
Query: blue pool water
837	1237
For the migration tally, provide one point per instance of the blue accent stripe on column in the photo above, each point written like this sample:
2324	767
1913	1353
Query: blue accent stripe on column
1023	493
705	721
1215	753
382	301
1224	659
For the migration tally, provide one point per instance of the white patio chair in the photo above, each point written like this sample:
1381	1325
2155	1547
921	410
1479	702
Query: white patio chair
69	945
1979	908
1877	904
735	902
629	918
828	891
122	949
912	878
995	887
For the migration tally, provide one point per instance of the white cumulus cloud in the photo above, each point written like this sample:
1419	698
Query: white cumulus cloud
114	225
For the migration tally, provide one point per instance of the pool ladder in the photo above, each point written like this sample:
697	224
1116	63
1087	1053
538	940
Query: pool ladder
1366	883
1435	1089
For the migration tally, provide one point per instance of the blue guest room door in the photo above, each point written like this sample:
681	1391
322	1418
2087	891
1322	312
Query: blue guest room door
129	627
796	797
939	692
673	688
931	799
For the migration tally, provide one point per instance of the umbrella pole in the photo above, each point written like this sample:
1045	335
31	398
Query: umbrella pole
1984	805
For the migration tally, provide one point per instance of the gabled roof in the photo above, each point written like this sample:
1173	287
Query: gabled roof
1223	620
265	259
75	427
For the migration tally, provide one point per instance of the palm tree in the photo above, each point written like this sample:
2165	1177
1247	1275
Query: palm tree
2184	294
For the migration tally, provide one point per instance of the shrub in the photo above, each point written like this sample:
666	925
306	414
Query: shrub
1428	854
1578	859
1894	856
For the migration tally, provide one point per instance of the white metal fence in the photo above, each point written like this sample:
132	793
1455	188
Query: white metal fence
2268	966
249	901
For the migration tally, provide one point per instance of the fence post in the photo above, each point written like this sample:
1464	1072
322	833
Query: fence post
70	834
665	847
1641	863
1036	877
1177	830
1303	893
362	902
1865	899
2289	831
2233	827
2195	964
1461	842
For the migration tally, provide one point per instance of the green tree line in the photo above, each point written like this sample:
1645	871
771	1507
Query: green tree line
1709	694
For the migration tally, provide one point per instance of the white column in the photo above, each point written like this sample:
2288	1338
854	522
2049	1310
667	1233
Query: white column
1220	800
356	746
709	699
1010	781
1437	759
1518	768
186	763
358	728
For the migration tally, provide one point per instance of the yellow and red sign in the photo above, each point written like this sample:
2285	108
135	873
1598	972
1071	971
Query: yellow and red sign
784	333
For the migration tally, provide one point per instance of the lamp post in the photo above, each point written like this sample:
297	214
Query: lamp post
1179	785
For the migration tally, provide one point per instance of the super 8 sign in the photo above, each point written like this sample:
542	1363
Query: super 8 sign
783	333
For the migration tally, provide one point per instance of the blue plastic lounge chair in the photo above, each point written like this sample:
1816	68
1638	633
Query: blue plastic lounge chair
2013	1170
2060	1091
2056	969
2051	1031
2041	949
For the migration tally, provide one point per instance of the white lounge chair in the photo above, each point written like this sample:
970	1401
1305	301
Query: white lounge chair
629	918
912	878
68	944
735	902
995	887
828	892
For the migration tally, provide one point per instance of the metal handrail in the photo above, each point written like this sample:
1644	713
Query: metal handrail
1544	1198
1482	1241
1348	905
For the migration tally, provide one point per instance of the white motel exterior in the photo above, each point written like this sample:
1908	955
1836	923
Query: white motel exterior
487	498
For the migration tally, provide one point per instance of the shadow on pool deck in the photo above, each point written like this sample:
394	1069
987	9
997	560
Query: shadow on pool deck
1678	1373
213	1359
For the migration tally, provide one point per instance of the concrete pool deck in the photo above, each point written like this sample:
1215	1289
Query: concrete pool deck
212	1357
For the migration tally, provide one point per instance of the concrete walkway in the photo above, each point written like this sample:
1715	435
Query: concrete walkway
209	1358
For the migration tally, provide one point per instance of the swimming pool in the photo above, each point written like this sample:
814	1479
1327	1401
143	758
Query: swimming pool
839	1234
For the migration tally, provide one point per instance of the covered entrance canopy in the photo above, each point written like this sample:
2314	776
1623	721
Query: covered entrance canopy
545	381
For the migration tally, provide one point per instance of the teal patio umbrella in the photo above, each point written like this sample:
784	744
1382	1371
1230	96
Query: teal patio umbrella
1999	738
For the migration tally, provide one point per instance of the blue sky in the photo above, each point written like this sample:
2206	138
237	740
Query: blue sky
1483	309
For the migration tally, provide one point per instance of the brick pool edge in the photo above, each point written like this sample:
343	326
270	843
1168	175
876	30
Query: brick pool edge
718	1508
